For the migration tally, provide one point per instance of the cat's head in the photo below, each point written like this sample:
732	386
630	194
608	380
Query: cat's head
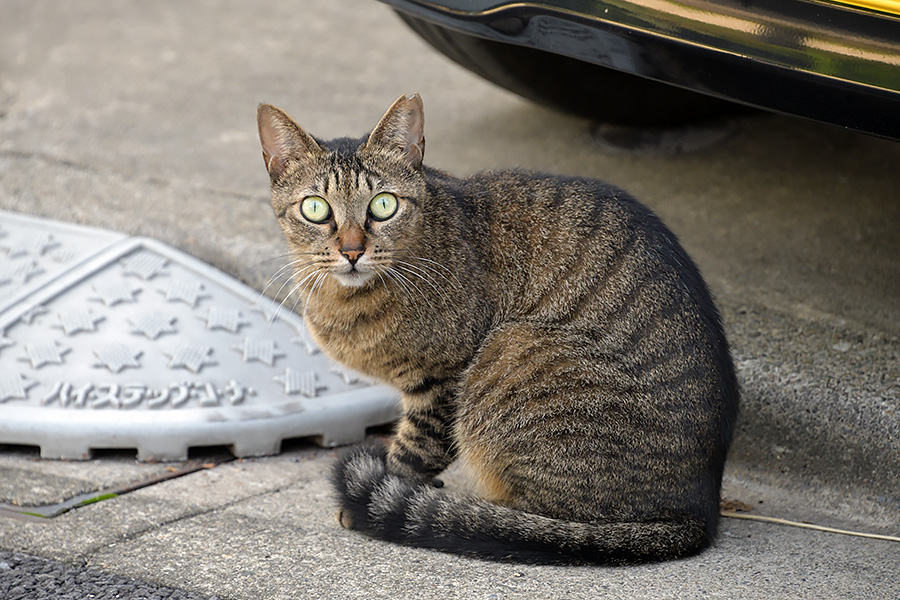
349	208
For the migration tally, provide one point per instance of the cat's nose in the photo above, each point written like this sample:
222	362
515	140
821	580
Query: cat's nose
352	254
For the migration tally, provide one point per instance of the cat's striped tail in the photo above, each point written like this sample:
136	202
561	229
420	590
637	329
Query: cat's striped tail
390	508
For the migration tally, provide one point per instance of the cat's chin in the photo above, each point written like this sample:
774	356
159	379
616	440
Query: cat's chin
352	279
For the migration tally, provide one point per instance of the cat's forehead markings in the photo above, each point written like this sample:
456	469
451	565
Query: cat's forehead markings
331	181
341	175
363	181
347	180
375	182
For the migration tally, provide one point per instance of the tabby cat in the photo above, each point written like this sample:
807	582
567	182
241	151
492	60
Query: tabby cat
548	331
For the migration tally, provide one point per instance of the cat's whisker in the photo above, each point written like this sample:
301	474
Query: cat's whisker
296	301
418	270
278	308
298	271
442	266
294	276
254	302
429	276
317	287
288	271
296	264
315	272
441	273
409	282
316	279
380	278
298	285
275	275
392	277
254	299
273	258
298	289
412	270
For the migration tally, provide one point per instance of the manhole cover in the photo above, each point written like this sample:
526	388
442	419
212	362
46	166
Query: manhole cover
113	342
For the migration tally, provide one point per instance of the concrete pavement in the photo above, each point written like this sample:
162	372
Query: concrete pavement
140	118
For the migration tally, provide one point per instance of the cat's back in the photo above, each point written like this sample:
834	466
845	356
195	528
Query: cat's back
558	216
582	254
561	248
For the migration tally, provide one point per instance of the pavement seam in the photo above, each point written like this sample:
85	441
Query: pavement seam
52	511
85	559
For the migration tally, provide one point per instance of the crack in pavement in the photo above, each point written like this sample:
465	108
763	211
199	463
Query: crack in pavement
87	557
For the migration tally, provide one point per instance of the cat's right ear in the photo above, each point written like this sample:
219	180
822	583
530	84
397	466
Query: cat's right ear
282	139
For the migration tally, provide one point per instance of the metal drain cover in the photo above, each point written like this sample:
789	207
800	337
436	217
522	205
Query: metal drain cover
115	342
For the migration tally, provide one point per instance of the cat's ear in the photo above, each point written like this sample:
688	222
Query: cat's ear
402	130
282	139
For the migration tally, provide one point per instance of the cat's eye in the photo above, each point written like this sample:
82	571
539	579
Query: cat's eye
315	209
383	206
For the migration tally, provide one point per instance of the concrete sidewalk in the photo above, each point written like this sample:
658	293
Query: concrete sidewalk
140	118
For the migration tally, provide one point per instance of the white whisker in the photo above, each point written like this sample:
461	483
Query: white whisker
296	264
393	277
412	271
317	287
298	285
401	277
443	272
274	315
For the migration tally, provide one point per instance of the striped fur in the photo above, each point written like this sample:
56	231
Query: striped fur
391	508
551	332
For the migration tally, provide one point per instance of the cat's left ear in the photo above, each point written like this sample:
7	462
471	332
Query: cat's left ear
282	139
402	130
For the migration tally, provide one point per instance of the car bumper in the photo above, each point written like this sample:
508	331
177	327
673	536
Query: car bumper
820	60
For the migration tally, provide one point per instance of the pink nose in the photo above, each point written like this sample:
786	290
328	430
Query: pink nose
352	255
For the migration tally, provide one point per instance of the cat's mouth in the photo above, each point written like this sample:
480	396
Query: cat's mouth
352	277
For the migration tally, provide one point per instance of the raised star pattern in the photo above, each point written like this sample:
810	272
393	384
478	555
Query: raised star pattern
190	356
44	354
116	357
224	318
268	314
5	342
305	339
64	255
305	382
30	245
347	375
19	271
111	293
153	324
15	386
78	319
259	350
181	290
32	313
145	265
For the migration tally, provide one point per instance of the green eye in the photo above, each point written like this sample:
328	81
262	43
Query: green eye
315	209
383	206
